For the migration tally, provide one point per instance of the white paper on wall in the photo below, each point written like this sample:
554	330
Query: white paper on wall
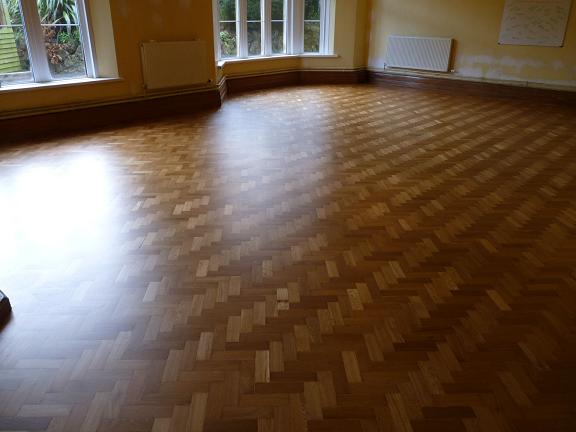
535	22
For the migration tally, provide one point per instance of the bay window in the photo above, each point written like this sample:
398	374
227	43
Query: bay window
44	40
262	28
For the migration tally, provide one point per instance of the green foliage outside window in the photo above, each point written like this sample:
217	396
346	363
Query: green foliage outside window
312	10
228	43
50	11
312	28
312	37
227	10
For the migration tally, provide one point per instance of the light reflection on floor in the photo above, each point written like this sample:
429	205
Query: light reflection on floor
55	211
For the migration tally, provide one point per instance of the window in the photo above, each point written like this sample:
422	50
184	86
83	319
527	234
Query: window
253	28
44	40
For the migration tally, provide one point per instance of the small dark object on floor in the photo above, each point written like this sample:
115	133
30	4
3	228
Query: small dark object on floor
5	307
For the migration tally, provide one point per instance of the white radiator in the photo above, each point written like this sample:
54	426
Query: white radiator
425	53
174	64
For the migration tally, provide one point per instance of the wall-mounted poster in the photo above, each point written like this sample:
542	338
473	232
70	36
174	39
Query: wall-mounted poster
535	22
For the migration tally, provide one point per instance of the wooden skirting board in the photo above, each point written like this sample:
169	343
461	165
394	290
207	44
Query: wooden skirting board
90	117
258	82
73	119
475	88
241	84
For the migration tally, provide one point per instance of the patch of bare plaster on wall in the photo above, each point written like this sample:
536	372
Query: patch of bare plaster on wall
489	67
508	69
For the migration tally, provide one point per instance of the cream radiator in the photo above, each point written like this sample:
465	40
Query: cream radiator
174	64
424	53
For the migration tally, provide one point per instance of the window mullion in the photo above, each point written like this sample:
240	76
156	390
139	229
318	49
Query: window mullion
323	12
298	27
327	27
288	26
216	24
35	38
242	23
266	8
87	42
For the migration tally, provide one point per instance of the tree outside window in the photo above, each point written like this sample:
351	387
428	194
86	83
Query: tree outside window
312	26
228	28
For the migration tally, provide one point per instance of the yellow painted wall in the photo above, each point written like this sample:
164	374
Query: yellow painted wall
475	24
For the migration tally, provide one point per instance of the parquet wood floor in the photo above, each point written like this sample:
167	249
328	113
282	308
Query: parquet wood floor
305	259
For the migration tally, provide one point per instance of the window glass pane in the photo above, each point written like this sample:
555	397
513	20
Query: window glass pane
64	49
62	37
228	44
227	10
14	61
277	10
254	10
311	9
311	37
254	38
278	37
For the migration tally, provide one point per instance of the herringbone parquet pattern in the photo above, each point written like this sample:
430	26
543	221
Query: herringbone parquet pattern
305	259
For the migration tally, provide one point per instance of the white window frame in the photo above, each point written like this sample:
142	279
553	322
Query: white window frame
37	49
293	29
